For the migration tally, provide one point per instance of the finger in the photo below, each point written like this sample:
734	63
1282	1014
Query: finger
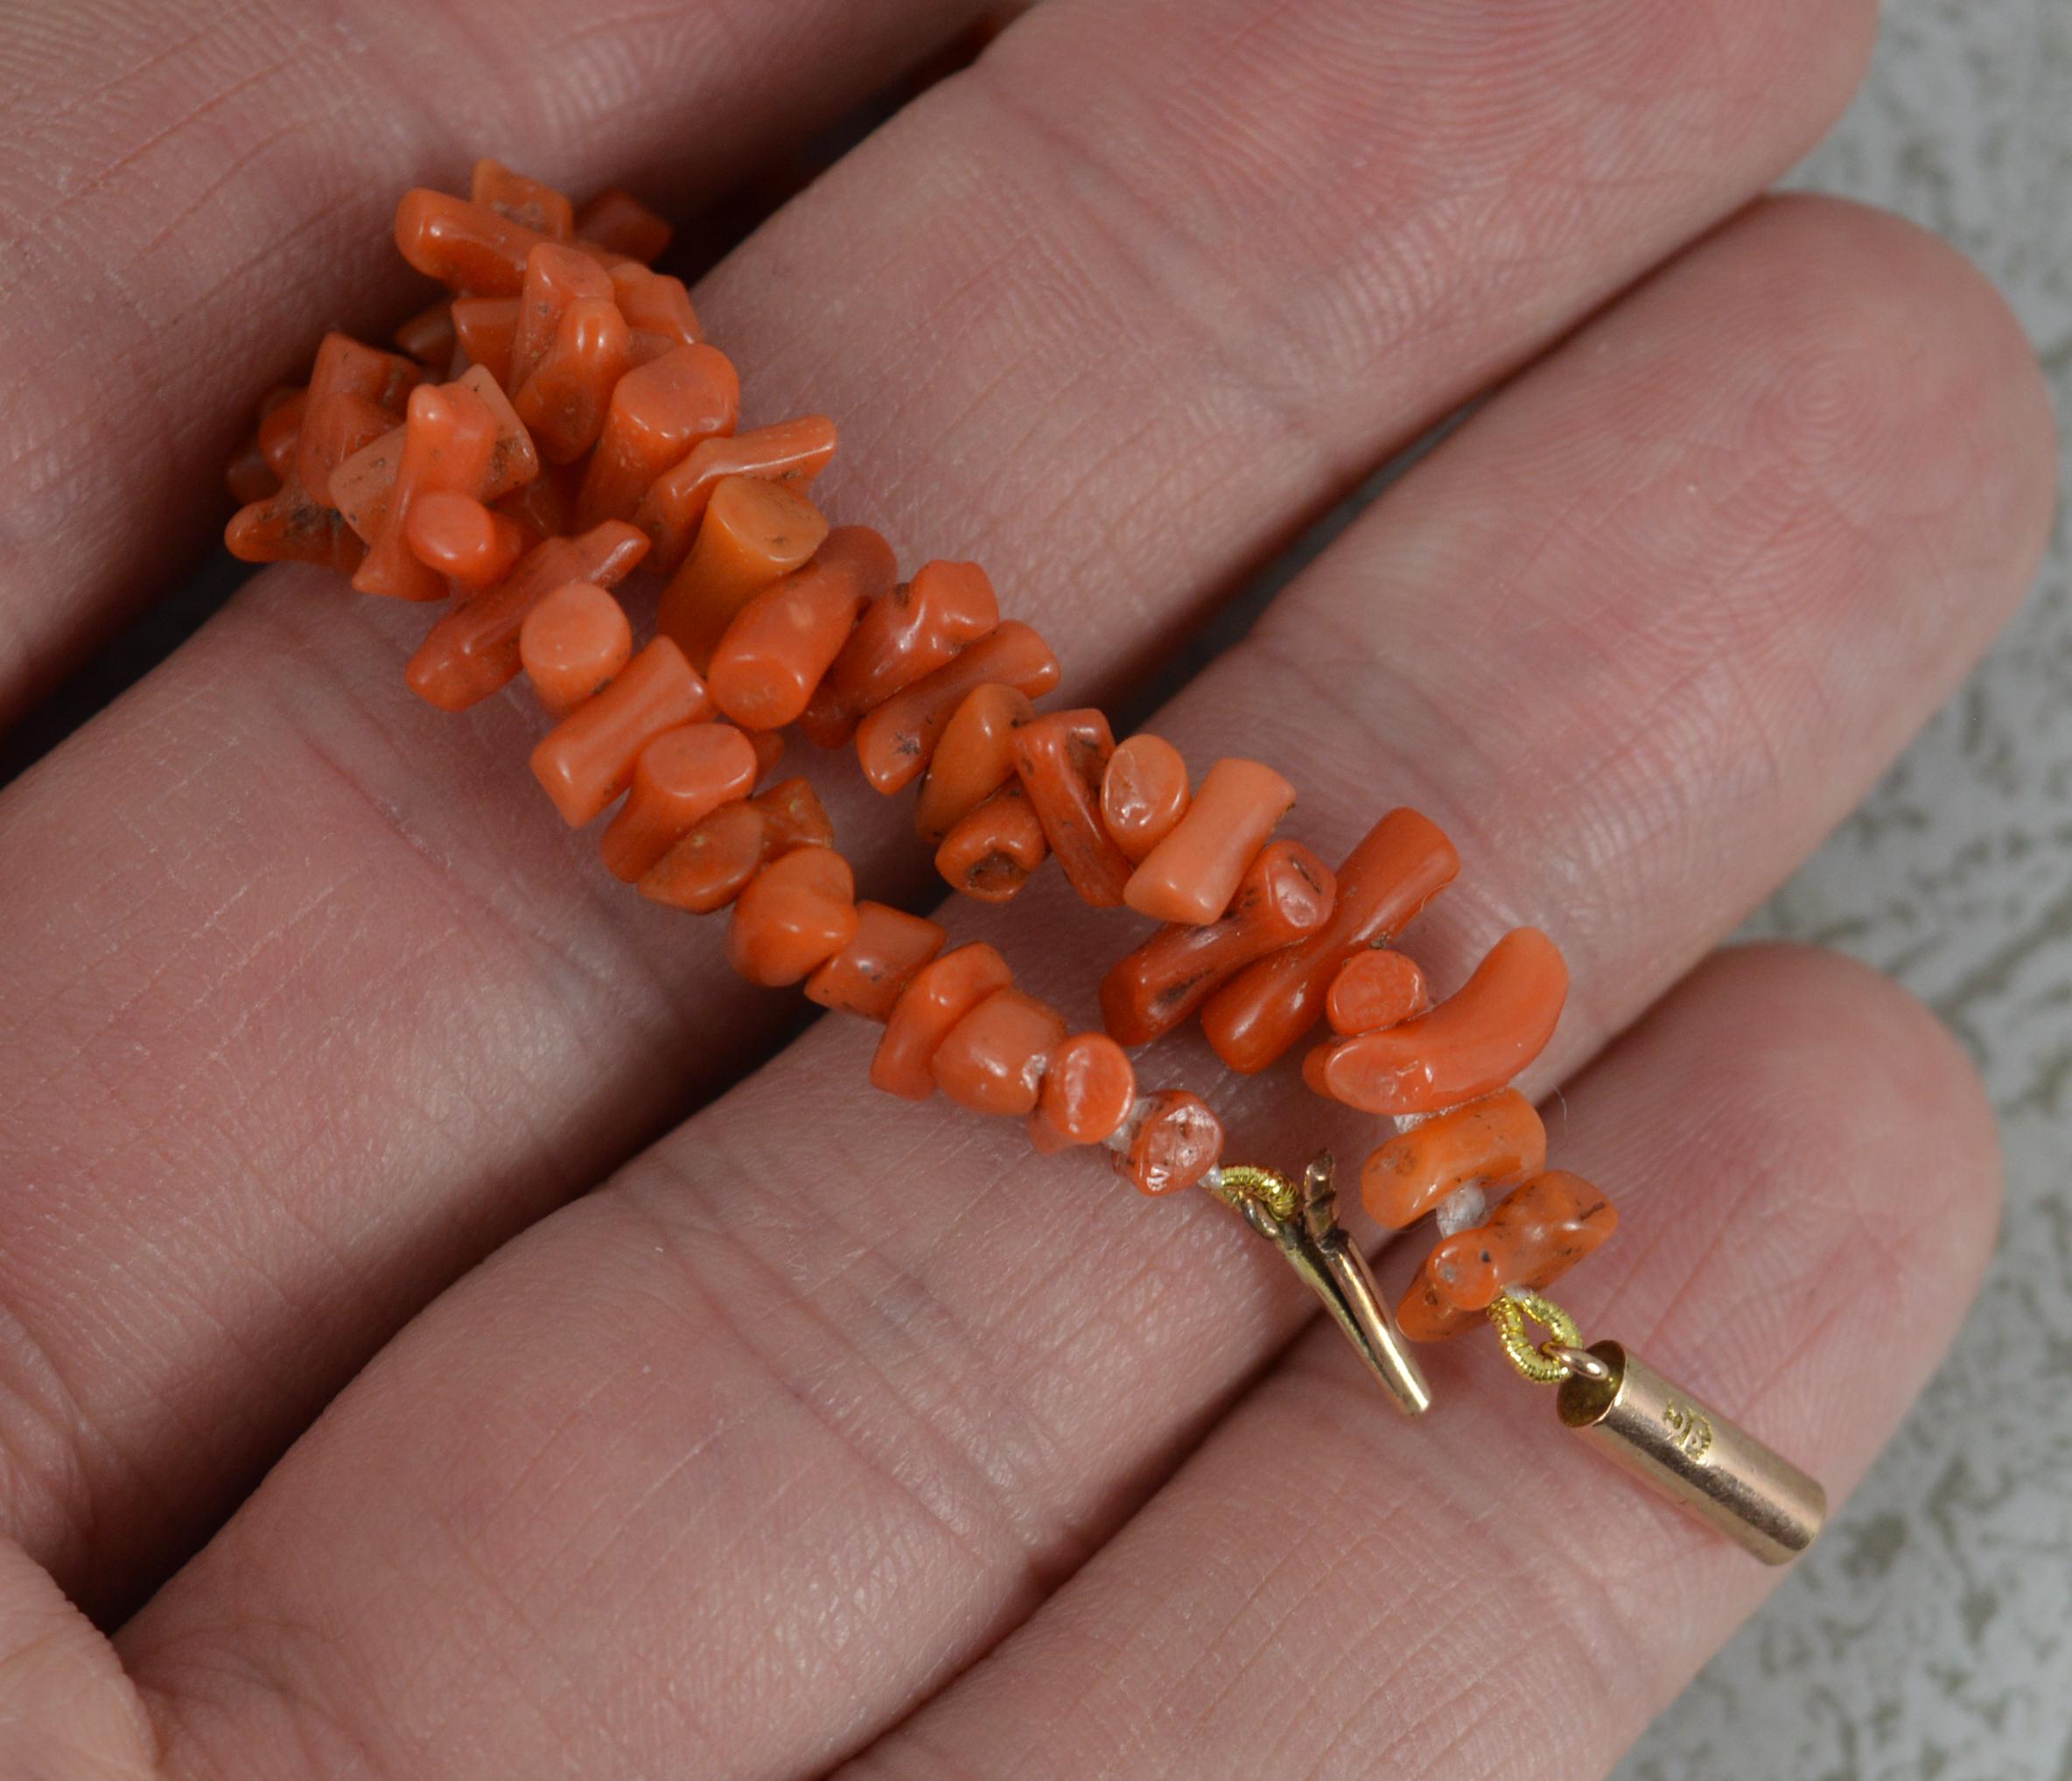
408	1016
189	193
1811	1180
65	1704
932	1372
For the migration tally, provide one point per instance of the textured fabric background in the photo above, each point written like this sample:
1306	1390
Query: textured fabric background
1929	1635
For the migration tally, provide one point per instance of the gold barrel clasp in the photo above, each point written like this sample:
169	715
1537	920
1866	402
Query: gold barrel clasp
1685	1450
1681	1448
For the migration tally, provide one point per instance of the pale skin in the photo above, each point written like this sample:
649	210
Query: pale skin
417	1360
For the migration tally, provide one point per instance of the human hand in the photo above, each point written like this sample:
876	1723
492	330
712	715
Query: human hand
831	1428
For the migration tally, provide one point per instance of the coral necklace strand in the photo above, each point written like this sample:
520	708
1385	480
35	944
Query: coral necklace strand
559	421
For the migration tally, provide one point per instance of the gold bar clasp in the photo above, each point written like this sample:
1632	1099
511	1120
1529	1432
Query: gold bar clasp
1302	1222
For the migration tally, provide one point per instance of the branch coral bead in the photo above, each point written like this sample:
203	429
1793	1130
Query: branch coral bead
1171	1140
1088	1092
680	777
797	913
1476	1040
1488	1142
1286	894
1399	866
571	643
870	974
993	1060
940	995
782	641
1542	1229
972	758
1062	758
719	857
754	533
1194	872
1144	795
587	759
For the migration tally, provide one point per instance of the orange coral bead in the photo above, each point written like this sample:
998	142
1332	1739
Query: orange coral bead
795	815
571	643
448	441
1286	893
359	487
1375	989
524	201
972	760
514	462
564	399
468	247
990	851
753	532
1174	1139
249	477
656	306
557	279
618	220
1088	1091
941	994
713	864
868	976
429	338
1061	759
486	328
546	506
793	452
474	650
657	413
587	759
1495	1140
992	1061
356	394
682	776
332	432
288	527
363	487
797	913
904	634
281	522
280	430
1476	1040
1542	1230
1400	865
1144	795
895	742
454	535
783	639
1192	874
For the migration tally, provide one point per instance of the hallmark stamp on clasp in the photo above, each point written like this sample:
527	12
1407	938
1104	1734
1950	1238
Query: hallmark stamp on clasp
1689	1429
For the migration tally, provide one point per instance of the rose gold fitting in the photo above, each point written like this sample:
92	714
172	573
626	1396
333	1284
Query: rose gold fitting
1681	1448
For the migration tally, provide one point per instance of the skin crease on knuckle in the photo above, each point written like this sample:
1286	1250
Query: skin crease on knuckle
230	1658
